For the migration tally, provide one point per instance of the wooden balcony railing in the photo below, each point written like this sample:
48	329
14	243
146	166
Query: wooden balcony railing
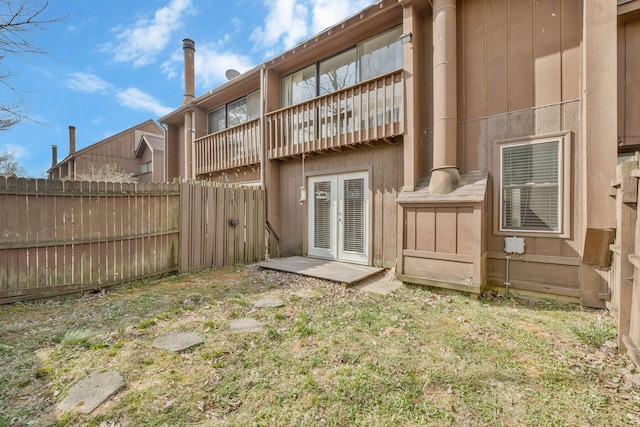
229	148
372	110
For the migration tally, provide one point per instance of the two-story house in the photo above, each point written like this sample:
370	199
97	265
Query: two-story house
138	151
464	142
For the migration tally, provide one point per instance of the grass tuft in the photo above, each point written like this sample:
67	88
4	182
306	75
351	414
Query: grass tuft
594	334
77	338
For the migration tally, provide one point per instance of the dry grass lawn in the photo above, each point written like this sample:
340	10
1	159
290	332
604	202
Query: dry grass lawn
347	357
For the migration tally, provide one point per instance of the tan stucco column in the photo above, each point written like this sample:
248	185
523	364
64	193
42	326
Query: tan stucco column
599	133
444	175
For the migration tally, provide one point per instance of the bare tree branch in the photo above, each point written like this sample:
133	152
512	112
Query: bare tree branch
9	164
18	20
106	173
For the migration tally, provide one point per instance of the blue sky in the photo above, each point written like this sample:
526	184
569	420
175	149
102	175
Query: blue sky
112	64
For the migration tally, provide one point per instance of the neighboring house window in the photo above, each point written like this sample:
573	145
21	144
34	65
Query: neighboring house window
234	113
146	167
532	186
374	57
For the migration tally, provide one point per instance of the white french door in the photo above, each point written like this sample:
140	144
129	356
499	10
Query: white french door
339	217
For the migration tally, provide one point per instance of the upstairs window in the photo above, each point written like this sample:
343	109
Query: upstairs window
299	86
532	186
369	59
337	72
234	113
381	55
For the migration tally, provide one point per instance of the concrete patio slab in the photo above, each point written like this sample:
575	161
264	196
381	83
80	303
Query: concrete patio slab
335	271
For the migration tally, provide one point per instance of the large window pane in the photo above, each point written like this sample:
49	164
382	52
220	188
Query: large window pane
253	105
381	54
216	120
237	112
530	196
338	72
299	87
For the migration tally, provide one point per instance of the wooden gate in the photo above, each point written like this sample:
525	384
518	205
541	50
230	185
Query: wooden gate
220	225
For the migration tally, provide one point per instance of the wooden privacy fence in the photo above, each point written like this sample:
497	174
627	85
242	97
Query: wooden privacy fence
61	237
220	225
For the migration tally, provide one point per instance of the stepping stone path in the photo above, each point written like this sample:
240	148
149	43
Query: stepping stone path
268	302
92	392
245	325
308	294
177	341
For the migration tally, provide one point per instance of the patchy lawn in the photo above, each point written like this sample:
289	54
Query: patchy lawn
347	357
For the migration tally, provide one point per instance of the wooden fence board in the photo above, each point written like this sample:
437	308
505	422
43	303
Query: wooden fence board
61	237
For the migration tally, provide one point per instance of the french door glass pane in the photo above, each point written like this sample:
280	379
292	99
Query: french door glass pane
322	214
354	212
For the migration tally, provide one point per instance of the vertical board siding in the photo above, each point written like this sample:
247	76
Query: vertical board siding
61	237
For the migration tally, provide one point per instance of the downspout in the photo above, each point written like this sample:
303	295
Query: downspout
444	175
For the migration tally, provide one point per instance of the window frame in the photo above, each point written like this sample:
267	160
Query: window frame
563	230
225	110
284	101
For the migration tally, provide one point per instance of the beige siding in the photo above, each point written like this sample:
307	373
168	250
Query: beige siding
520	68
385	165
517	54
629	83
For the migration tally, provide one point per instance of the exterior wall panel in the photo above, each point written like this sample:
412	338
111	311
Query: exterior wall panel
520	75
385	166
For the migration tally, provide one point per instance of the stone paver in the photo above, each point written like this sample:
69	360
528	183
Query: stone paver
245	325
92	392
308	294
177	341
381	286
268	302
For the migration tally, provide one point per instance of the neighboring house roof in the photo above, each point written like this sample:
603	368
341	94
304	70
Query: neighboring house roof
153	142
107	140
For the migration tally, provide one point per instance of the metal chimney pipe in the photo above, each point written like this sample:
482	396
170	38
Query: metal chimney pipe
189	49
72	139
444	175
54	155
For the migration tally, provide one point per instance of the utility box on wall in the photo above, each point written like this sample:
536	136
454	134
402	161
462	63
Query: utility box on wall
514	245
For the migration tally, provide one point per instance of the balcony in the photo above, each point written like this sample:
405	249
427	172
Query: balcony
367	112
234	147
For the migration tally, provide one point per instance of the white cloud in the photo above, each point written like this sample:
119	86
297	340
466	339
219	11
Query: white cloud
19	152
88	83
211	63
289	22
326	13
284	27
138	100
141	44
